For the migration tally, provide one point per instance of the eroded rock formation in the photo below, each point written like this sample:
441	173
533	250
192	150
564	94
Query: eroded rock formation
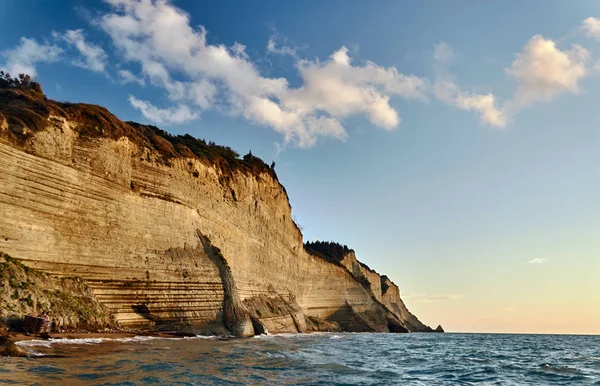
171	232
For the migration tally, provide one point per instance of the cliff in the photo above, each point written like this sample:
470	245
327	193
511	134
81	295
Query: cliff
382	288
169	232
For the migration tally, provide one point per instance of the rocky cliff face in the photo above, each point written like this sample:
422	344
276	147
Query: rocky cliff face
26	291
167	234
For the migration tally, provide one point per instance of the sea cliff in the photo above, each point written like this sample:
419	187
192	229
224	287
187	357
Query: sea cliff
171	233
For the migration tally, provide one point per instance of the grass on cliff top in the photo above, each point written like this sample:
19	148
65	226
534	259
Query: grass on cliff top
27	110
24	290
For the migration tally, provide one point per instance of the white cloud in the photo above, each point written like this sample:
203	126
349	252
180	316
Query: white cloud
543	71
94	57
127	76
174	115
537	260
341	89
284	48
591	27
23	58
425	298
448	91
281	45
484	105
178	58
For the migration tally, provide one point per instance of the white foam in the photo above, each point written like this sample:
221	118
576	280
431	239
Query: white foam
89	341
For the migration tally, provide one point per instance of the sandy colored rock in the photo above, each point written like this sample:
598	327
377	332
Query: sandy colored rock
83	201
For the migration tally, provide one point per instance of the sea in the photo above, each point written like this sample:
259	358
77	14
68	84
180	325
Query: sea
311	359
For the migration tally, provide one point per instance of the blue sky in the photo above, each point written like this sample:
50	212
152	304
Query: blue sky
453	145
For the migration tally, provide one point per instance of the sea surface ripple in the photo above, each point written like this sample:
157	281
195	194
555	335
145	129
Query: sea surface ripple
314	359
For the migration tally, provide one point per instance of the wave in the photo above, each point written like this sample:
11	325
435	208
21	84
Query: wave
89	341
561	369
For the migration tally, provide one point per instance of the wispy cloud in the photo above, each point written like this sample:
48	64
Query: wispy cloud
537	260
447	90
24	58
425	298
173	115
591	27
279	44
93	56
443	53
127	76
541	69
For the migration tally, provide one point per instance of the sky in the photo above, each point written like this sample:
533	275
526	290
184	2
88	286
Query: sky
454	146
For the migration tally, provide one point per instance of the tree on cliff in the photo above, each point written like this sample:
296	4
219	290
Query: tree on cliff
23	82
328	250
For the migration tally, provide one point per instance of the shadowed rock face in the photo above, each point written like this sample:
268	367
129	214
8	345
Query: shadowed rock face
168	238
8	348
235	315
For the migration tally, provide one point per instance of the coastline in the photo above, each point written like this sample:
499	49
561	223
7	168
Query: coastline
20	336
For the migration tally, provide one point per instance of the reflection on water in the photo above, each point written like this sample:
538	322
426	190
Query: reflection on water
326	359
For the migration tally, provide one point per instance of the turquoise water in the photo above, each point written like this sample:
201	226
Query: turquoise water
317	359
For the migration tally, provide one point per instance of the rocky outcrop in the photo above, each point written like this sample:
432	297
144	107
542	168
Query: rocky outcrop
235	316
26	291
8	348
391	298
169	232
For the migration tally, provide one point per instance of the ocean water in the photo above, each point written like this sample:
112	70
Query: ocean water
315	359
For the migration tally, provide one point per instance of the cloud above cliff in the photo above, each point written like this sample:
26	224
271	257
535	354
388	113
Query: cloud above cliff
447	90
172	115
24	58
197	76
93	56
537	260
541	70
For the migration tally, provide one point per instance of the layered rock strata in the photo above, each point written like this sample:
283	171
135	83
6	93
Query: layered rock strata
170	233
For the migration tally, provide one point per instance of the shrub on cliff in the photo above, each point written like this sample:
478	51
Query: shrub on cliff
188	146
327	250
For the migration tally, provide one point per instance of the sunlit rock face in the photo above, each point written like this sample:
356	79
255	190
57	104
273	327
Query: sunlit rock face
167	239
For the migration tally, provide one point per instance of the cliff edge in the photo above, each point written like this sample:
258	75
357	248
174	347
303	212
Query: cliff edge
170	232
